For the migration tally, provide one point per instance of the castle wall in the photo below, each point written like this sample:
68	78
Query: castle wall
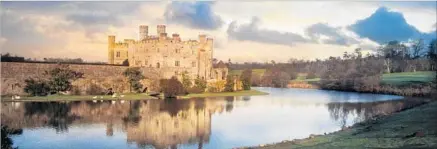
13	75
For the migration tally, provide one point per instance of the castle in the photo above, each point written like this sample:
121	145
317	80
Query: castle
170	55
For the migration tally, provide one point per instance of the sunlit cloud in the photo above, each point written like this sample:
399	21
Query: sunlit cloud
242	31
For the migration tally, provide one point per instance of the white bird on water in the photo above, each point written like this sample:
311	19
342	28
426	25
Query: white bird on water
114	95
15	97
95	97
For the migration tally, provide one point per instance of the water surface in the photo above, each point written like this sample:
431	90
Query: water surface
222	122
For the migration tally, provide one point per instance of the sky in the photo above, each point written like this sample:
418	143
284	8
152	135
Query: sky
244	31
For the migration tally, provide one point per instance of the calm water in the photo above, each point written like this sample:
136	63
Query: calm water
201	123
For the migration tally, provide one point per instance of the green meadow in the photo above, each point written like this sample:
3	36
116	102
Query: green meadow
402	78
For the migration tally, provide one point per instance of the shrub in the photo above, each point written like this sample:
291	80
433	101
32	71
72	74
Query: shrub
94	89
274	77
125	62
172	87
200	83
293	75
256	79
311	75
75	90
186	80
134	76
36	87
246	78
195	90
229	87
61	78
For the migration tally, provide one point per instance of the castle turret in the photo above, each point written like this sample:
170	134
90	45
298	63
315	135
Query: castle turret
111	45
162	36
176	37
160	29
144	31
202	38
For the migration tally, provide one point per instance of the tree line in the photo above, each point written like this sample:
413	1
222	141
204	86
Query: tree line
7	57
355	71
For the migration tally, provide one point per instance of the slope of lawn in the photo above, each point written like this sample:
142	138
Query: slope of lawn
405	78
402	78
412	128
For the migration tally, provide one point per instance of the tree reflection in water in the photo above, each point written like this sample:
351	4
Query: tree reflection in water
340	111
6	132
56	112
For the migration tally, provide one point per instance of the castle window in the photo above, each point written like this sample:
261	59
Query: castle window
223	75
158	65
117	54
193	64
145	62
176	63
157	50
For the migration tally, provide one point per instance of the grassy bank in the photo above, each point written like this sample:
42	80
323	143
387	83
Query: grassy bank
406	78
237	93
80	97
412	128
130	96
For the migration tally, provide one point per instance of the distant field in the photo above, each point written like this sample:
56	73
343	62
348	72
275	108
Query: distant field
408	77
402	78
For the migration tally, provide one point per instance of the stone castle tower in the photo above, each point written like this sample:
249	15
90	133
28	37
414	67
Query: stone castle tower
170	55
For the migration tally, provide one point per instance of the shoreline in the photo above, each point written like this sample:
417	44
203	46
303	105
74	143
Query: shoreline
388	90
407	123
128	96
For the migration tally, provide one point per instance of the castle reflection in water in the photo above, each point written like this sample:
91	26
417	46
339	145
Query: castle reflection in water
159	123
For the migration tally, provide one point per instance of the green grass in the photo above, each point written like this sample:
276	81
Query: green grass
130	96
405	78
238	93
386	132
397	79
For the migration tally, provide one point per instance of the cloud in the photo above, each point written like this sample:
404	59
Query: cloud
334	35
252	32
384	25
93	19
197	15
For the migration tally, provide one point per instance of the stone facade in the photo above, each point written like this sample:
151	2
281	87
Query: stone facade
13	75
169	54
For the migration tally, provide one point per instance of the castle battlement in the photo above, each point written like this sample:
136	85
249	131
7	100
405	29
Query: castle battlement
162	36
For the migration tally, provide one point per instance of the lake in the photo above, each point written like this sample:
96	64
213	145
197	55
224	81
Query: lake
211	123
